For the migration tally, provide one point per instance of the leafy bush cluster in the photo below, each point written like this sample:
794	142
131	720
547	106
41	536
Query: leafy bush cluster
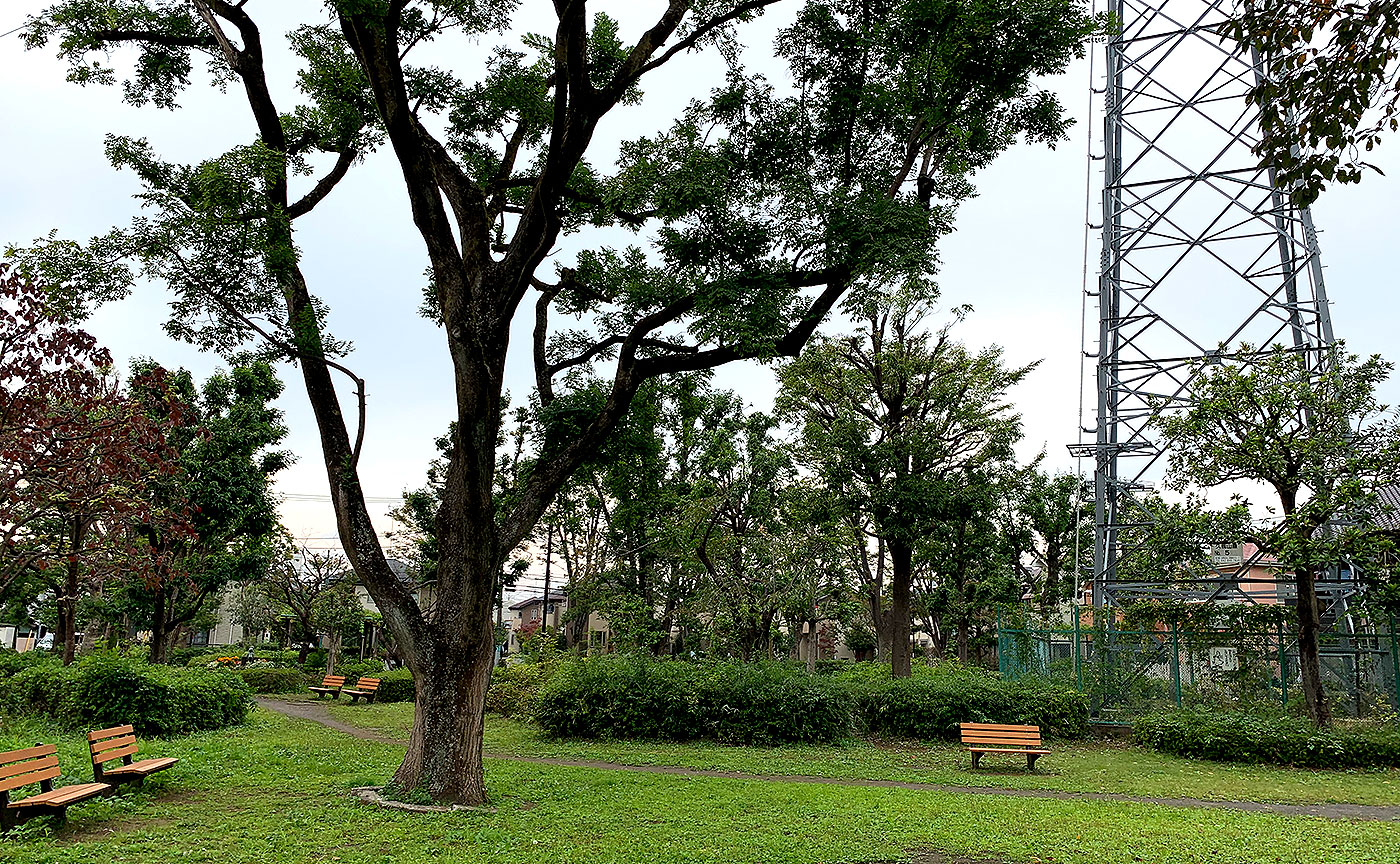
1267	739
354	668
515	690
107	690
395	686
274	680
938	698
630	697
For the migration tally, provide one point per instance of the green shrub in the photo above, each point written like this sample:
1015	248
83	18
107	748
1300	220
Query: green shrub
759	703
1267	739
108	690
634	697
396	685
515	689
274	680
931	705
14	662
355	669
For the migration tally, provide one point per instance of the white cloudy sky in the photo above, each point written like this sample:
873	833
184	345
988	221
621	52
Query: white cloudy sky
1016	257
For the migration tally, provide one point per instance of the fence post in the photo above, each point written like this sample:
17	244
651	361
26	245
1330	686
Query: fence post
1394	665
1283	665
1176	665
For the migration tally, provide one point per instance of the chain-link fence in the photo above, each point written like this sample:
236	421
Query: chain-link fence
1131	668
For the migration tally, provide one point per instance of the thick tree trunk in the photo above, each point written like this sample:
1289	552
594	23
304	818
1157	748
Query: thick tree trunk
1309	661
445	745
901	579
962	640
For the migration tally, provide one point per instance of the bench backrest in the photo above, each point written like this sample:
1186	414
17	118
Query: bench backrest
368	685
115	743
31	765
333	681
1000	735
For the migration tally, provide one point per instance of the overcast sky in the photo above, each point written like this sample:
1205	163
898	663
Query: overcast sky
1016	257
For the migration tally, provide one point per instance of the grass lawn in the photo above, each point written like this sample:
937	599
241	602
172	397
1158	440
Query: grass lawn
1093	767
276	791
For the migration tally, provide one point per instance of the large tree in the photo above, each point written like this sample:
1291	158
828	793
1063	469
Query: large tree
224	438
1311	429
79	461
892	417
756	209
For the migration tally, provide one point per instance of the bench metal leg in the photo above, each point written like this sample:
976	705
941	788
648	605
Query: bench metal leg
976	757
1030	761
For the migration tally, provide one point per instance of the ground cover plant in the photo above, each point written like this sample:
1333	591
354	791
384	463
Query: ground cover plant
1115	767
231	801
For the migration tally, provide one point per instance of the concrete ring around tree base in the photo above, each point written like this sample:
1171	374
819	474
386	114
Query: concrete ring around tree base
371	795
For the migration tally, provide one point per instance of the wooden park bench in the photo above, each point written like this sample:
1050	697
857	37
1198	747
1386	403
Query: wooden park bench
38	764
365	688
119	742
1003	738
330	685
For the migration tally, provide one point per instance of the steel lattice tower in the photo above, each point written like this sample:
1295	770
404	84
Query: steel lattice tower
1201	252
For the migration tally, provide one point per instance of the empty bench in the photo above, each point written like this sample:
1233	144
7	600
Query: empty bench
980	738
365	688
119	742
330	685
38	764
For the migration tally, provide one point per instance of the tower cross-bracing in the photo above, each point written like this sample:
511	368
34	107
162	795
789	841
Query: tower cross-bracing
1202	253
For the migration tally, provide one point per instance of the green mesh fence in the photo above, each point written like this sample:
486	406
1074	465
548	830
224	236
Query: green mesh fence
1129	669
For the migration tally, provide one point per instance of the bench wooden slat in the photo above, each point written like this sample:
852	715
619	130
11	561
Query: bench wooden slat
128	750
993	742
142	768
28	753
24	766
114	732
1006	750
47	772
63	796
1000	726
1009	736
112	744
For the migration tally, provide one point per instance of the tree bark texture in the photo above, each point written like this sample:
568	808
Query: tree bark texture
901	581
1309	658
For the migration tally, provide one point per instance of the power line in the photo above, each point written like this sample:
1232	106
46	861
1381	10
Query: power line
317	497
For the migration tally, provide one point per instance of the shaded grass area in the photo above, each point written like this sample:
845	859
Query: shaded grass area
1078	767
276	790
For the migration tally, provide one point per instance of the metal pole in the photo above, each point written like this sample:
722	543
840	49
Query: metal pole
1078	663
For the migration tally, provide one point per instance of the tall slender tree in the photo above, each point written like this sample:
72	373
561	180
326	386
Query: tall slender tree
893	418
1313	431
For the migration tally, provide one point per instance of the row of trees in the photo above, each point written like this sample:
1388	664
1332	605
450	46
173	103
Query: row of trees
126	505
881	499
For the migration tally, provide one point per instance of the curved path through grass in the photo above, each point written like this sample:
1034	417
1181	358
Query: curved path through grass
322	713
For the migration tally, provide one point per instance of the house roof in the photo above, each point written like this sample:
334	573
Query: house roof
538	598
1389	517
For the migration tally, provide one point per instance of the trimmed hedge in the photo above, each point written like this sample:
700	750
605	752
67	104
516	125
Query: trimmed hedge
355	669
273	680
932	704
633	697
395	685
1267	739
109	690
